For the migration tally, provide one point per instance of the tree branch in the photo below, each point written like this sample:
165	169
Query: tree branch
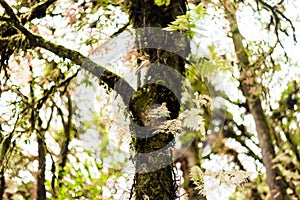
276	13
86	63
37	11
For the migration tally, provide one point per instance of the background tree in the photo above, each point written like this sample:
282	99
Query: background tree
253	69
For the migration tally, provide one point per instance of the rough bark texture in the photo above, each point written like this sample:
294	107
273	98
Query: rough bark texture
158	184
264	131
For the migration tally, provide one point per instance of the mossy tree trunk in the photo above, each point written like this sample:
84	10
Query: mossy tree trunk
154	177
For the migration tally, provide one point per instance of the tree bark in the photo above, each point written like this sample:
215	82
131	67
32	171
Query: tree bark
36	127
154	177
264	131
65	144
2	184
41	190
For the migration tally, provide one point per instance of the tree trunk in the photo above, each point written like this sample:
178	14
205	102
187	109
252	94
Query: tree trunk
65	144
36	127
154	177
2	184
41	190
264	131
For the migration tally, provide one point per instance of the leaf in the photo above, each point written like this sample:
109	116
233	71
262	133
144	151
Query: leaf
159	2
187	23
173	126
199	10
213	180
170	28
192	119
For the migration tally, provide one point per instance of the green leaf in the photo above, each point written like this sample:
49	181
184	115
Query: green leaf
167	2
159	2
199	10
162	2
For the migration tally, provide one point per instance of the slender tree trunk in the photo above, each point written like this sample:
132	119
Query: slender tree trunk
65	144
2	184
41	190
154	178
36	127
264	130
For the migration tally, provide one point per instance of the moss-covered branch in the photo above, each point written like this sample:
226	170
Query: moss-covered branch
33	40
37	11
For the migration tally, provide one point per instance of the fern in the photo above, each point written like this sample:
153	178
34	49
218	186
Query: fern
186	24
230	178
